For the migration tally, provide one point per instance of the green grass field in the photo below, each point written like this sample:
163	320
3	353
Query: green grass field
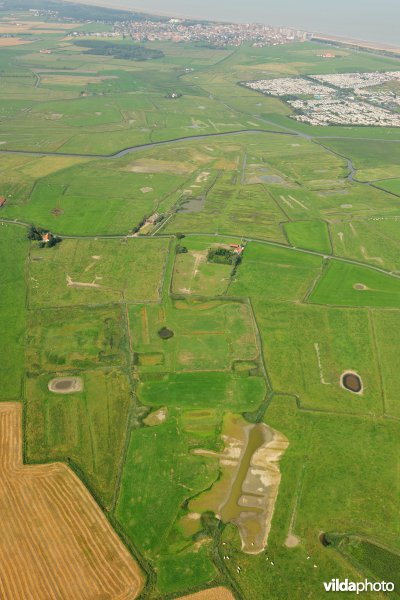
372	240
345	284
85	429
385	327
194	275
207	336
331	492
312	235
159	460
382	564
79	272
275	273
307	348
94	198
316	294
66	338
208	390
372	159
13	252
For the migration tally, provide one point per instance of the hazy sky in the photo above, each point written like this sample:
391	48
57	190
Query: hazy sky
374	20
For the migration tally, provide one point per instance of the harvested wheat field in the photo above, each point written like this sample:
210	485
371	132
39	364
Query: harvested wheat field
218	593
55	541
12	42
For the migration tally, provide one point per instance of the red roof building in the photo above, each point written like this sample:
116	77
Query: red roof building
46	237
237	248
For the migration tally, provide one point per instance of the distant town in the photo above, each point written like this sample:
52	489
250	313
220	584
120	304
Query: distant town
214	34
370	99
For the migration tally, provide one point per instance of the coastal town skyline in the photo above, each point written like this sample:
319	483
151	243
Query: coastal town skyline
378	22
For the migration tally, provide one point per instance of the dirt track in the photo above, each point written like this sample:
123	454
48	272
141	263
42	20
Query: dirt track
55	542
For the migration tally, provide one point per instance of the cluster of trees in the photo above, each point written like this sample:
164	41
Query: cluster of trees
223	256
124	51
45	238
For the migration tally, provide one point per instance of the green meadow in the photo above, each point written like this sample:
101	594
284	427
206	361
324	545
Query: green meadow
272	273
13	250
307	349
85	429
312	235
159	460
207	336
167	342
66	338
346	284
93	271
317	460
373	241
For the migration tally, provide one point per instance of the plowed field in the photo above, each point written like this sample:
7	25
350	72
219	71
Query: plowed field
218	593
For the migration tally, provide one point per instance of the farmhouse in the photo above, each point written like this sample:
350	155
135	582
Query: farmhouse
46	237
2	201
237	248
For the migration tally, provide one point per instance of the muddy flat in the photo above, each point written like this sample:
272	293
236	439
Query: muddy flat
66	385
247	490
55	541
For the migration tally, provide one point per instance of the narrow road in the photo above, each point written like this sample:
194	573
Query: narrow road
351	261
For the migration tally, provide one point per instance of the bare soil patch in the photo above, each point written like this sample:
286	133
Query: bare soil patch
94	283
55	542
150	359
292	541
56	212
151	165
156	417
360	287
365	254
203	177
145	325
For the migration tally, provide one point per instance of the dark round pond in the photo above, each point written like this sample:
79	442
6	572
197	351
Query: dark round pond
352	382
